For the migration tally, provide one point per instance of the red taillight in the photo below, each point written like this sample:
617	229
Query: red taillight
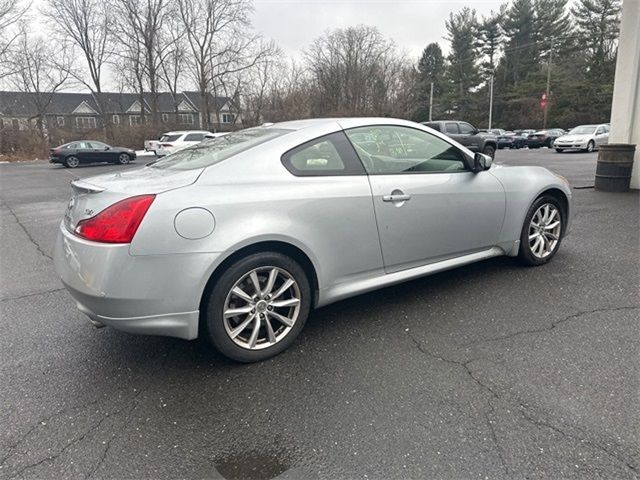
55	152
117	223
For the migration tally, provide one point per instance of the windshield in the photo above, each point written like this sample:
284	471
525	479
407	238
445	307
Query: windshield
218	149
583	130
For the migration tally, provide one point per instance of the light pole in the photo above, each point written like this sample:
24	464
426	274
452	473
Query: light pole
546	105
490	99
431	103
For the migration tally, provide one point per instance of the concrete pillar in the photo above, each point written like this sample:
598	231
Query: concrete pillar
625	109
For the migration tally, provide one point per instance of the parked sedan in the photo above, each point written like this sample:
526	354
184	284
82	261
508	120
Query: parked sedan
238	238
89	151
585	137
544	138
511	140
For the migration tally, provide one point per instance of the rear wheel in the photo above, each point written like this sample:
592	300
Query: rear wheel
123	159
258	307
71	161
489	150
542	231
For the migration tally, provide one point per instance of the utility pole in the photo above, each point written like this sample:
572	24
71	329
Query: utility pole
490	99
546	106
431	103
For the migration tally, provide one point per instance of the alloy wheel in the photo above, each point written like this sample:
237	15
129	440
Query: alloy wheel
123	158
261	308
72	162
544	230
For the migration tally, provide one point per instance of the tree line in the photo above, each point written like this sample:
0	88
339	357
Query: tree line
209	45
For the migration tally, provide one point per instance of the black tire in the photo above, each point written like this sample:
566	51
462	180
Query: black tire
489	150
559	150
123	159
590	146
71	161
214	319
525	254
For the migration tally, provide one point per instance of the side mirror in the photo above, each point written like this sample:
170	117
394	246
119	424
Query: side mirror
481	162
107	147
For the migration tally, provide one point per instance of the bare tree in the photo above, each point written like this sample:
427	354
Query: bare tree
352	69
85	25
220	44
148	20
172	68
11	11
36	73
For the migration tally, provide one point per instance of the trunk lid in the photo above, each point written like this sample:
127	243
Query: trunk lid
92	195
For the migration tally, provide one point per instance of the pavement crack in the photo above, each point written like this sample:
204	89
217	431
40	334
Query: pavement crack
135	403
483	386
493	394
26	232
27	295
550	326
542	424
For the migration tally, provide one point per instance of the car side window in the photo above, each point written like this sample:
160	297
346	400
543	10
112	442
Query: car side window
97	145
451	127
405	150
82	146
600	131
329	155
466	129
194	137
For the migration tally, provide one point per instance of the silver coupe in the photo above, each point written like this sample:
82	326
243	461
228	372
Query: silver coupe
236	239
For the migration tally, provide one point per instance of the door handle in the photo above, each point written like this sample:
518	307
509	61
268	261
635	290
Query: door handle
396	198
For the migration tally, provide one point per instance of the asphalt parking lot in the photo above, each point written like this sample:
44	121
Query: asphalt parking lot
488	371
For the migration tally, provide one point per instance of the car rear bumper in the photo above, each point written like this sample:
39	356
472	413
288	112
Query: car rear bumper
146	294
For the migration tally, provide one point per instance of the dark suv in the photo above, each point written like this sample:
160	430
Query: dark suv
467	135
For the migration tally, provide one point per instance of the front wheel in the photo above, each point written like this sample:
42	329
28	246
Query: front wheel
489	150
559	150
542	232
258	307
123	159
71	161
590	146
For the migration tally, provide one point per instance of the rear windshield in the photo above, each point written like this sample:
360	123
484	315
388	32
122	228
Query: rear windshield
584	129
218	149
170	138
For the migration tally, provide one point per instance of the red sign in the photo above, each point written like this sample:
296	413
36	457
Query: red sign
543	101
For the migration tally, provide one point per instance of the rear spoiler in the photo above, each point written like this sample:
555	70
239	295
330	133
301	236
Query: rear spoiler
80	186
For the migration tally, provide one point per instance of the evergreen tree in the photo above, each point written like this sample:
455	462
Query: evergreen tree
553	24
521	52
597	28
489	40
462	71
431	69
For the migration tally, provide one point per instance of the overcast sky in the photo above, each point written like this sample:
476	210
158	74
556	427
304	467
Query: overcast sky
293	24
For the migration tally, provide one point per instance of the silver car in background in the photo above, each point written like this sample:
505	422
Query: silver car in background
239	237
585	137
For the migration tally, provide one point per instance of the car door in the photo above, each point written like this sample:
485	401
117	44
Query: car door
468	136
601	136
100	152
429	206
84	152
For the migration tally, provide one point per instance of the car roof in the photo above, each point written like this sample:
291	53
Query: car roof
181	132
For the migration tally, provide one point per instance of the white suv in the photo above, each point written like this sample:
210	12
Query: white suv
171	142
